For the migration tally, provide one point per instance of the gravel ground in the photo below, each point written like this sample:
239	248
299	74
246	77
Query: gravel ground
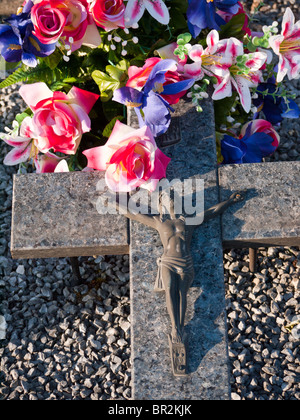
73	343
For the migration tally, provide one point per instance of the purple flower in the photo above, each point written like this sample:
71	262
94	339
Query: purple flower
155	108
17	43
202	14
258	139
274	106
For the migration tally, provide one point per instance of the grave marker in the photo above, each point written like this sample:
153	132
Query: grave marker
54	215
208	370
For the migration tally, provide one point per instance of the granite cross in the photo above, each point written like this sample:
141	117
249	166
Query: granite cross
54	216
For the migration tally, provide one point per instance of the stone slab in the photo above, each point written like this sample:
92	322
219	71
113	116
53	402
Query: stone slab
208	378
55	215
270	216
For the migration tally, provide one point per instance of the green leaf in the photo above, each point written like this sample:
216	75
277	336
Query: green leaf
234	28
114	72
41	73
109	128
184	38
21	117
107	85
53	60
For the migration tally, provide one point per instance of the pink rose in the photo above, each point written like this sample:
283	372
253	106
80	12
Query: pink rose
69	20
59	120
48	21
109	14
261	126
130	158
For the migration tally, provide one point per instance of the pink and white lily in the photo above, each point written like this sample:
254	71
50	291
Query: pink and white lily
204	60
242	76
220	59
23	150
167	52
136	8
287	47
49	163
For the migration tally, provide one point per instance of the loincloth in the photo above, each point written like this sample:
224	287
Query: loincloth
180	266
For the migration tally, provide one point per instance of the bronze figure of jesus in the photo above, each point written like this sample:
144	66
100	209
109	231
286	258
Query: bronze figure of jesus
175	269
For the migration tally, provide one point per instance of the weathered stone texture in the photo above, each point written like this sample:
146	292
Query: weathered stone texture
55	215
194	156
270	215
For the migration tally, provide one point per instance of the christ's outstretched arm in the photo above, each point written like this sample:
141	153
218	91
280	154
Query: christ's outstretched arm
221	207
145	219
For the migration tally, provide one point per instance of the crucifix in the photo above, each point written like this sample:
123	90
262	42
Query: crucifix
54	216
175	267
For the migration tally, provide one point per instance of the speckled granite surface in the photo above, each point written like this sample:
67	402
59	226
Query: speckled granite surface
55	215
208	377
270	215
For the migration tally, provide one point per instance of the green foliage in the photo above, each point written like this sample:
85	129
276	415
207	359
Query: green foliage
115	79
21	117
182	49
223	108
54	59
109	128
25	74
234	28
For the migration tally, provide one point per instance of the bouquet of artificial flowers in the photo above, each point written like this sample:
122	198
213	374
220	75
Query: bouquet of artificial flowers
84	62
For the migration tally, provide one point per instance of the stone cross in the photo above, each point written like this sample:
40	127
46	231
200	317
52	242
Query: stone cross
175	266
54	216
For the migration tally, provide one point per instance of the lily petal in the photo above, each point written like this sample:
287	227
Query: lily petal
158	10
158	74
194	70
288	23
256	61
242	87
223	89
259	145
17	155
157	114
212	40
233	150
275	42
133	13
17	141
283	68
196	53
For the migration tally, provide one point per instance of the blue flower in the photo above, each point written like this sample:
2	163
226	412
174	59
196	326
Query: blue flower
274	107
155	108
17	42
202	14
250	149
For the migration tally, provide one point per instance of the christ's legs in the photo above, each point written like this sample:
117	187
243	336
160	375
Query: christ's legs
171	282
185	284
